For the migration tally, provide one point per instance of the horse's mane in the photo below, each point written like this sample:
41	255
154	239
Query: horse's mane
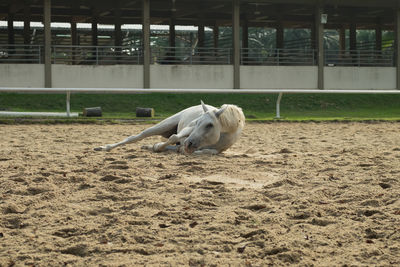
232	118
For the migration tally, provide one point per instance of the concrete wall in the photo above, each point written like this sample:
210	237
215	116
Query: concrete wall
102	76
198	76
360	77
191	76
21	75
278	77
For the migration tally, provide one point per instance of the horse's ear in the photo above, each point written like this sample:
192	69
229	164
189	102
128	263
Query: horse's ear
204	106
220	111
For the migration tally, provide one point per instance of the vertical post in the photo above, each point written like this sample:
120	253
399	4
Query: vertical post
397	47
47	43
27	33
245	42
378	36
172	34
94	31
74	40
146	43
342	41
279	35
278	106
279	41
313	35
118	31
319	38
353	36
342	38
27	24
117	34
68	101
10	29
215	35
201	34
353	43
172	42
236	43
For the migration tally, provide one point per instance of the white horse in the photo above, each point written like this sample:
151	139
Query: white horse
201	129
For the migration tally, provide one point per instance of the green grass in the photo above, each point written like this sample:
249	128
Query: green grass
255	106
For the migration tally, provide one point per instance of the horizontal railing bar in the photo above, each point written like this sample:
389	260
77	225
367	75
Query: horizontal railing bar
169	90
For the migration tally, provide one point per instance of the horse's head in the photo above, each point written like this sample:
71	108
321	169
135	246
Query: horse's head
206	132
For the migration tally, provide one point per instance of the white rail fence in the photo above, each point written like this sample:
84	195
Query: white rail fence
280	92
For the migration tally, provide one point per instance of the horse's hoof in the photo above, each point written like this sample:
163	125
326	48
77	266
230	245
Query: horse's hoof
103	148
147	147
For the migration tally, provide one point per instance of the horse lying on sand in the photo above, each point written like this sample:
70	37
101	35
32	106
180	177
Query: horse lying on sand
201	129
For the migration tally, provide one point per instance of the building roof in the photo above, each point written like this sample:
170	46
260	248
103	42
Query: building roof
260	13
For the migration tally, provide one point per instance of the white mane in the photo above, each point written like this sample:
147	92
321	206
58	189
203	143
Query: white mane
232	118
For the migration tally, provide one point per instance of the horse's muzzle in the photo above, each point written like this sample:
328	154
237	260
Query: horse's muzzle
190	147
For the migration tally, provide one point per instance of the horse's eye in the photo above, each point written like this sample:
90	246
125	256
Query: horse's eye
210	125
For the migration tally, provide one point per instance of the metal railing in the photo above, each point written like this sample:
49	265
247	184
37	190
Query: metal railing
278	57
108	55
189	55
96	55
360	58
69	91
21	53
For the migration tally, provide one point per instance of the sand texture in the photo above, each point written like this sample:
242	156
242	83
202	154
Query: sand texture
307	194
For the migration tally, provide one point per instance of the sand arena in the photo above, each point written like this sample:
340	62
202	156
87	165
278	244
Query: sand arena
286	193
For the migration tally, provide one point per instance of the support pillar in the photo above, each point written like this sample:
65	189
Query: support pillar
172	43
27	24
353	43
319	38
353	36
74	33
117	33
279	36
397	46
378	37
10	30
200	39
215	35
74	39
342	38
200	34
245	34
47	43
245	41
94	31
172	34
146	43
236	43
117	29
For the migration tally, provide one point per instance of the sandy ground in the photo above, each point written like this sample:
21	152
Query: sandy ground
322	194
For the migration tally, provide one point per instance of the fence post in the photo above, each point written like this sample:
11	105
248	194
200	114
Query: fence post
55	54
97	55
313	57
277	57
278	109
68	104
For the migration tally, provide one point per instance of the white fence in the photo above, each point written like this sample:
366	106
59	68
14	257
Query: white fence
68	92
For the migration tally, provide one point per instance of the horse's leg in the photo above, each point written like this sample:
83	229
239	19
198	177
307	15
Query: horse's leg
173	139
164	126
206	151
